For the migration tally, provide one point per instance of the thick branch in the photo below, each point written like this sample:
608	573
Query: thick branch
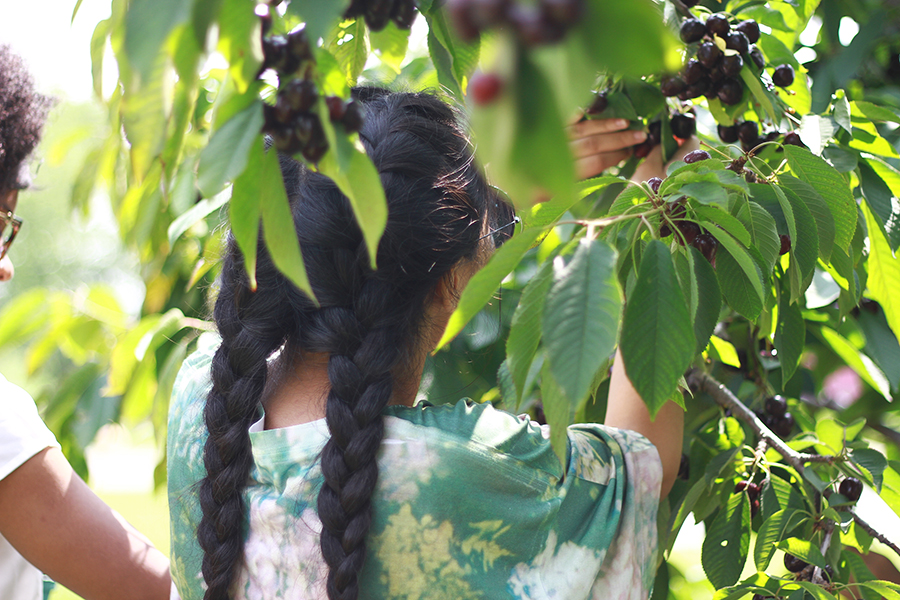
723	397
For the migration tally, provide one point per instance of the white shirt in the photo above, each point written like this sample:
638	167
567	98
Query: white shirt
22	435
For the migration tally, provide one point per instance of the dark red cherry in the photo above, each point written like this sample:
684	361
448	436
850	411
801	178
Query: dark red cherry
728	134
785	244
485	88
783	76
731	92
718	24
776	406
794	564
696	156
749	28
692	30
851	488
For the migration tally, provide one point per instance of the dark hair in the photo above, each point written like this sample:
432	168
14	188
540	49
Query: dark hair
368	322
22	115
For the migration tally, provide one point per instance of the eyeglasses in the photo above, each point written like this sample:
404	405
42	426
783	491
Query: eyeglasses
9	227
513	223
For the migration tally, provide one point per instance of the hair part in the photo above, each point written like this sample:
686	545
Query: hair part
22	114
368	323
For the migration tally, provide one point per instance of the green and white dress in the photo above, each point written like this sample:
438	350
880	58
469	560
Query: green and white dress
471	502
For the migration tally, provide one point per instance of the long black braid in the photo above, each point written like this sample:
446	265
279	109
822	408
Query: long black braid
368	322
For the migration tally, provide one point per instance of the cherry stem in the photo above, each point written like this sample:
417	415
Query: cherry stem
700	381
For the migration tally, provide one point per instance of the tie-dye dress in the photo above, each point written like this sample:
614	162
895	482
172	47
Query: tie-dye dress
471	503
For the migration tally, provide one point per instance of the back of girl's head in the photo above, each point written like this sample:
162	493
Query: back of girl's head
22	115
368	322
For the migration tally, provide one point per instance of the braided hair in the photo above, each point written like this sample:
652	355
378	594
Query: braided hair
368	322
22	114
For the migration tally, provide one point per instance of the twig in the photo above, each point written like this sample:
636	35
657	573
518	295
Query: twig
875	534
683	9
723	397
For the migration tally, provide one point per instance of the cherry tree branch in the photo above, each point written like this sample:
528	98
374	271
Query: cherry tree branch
723	397
700	381
860	522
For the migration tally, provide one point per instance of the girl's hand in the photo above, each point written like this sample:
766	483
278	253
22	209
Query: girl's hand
599	144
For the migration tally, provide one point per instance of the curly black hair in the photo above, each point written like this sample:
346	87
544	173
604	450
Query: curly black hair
22	114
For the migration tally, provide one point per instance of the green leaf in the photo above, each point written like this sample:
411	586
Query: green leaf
193	215
884	272
759	94
739	277
727	542
359	180
771	532
240	31
350	46
559	412
320	17
819	210
816	132
709	300
873	462
581	317
859	362
485	282
541	149
278	222
390	45
790	335
831	186
684	509
725	351
244	211
891	591
657	339
144	119
443	64
816	591
841	111
842	159
803	549
762	230
599	32
867	139
225	157
874	112
884	204
804	245
881	345
718	216
147	25
525	329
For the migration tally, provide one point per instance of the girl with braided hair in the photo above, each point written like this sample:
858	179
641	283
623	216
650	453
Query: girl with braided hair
299	464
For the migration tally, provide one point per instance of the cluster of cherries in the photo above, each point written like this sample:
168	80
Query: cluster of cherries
752	490
292	121
747	132
543	22
691	233
776	417
715	73
378	13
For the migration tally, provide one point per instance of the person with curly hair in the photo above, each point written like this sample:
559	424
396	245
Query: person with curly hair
50	520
